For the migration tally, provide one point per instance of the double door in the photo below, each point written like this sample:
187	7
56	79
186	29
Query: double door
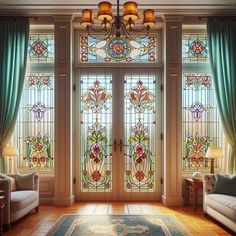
118	116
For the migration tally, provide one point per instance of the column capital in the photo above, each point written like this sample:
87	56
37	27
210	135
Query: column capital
174	18
63	17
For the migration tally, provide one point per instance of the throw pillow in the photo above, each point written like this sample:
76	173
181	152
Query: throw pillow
225	185
25	182
11	179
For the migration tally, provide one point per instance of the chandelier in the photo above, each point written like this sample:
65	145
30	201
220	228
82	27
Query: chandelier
118	27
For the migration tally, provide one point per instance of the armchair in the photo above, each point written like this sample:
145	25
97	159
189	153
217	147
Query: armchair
20	202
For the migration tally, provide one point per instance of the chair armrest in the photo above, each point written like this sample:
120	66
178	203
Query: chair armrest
36	182
5	185
209	183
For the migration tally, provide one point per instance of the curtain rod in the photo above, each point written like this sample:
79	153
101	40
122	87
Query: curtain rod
18	17
217	17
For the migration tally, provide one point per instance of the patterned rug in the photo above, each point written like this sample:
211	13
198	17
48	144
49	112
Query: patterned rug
122	225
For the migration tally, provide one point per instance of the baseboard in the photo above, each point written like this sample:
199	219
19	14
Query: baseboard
64	201
172	201
46	201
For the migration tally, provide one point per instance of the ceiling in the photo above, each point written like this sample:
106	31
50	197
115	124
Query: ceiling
161	6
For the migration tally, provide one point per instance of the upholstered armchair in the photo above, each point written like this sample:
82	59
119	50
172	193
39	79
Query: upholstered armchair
21	198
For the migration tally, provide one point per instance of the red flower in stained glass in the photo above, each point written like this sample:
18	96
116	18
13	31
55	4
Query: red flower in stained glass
96	149
96	175
197	47
38	48
38	146
107	186
139	149
139	175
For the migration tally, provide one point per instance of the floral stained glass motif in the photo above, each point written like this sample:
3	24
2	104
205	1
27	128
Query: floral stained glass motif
197	110
39	110
118	50
195	149
197	81
140	150
195	48
141	98
38	151
41	48
96	130
94	175
39	81
95	98
200	119
140	169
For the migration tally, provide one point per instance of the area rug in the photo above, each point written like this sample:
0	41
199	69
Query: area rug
122	225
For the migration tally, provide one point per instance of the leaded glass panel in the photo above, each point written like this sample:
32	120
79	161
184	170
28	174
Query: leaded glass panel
195	48
41	48
118	50
35	122
140	127
96	134
200	119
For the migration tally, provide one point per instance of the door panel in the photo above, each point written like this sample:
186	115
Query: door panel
139	129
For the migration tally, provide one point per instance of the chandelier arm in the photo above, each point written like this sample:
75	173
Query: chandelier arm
98	30
145	32
94	36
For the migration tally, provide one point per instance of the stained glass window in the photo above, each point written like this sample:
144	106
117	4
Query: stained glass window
41	48
118	50
35	123
96	125
140	127
195	48
200	119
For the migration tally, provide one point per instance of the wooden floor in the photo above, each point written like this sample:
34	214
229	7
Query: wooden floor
39	223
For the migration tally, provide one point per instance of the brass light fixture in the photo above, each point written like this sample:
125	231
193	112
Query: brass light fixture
118	26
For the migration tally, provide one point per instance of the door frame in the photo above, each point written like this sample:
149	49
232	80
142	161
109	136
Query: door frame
116	195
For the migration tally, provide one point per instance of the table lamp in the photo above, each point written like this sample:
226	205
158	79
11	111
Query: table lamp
10	151
212	154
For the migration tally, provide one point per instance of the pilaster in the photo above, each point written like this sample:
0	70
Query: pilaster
172	195
63	187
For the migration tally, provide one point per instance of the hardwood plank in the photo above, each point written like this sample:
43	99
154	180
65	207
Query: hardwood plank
39	223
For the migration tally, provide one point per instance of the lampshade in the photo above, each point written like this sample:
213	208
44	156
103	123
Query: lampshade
104	11
87	18
10	151
214	152
130	11
148	18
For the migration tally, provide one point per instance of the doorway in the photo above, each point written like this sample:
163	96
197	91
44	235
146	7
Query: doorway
118	149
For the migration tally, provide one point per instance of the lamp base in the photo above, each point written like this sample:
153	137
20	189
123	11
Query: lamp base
212	160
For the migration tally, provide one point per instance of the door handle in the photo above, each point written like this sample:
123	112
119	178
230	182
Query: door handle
121	144
115	145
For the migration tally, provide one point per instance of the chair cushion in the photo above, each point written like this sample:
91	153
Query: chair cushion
225	185
224	204
25	182
21	199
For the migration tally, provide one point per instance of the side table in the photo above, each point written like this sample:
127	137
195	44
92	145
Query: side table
194	186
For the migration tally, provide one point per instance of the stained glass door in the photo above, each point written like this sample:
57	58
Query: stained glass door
119	153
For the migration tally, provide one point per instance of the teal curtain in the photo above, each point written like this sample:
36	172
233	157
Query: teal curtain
222	51
14	35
